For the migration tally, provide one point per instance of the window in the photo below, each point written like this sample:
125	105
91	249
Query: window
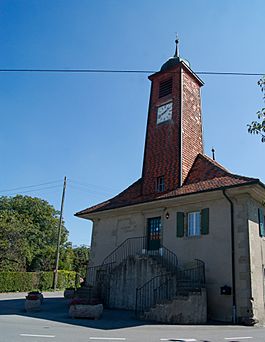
160	184
194	224
165	88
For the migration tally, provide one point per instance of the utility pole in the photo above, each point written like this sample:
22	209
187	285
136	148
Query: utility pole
55	276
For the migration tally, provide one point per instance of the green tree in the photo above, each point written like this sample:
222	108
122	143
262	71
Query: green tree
81	256
14	247
33	224
258	127
66	261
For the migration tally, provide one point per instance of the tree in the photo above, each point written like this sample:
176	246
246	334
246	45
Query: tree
14	247
28	237
80	262
258	127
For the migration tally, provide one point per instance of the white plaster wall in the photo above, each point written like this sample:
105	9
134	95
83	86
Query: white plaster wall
110	232
257	261
214	249
112	228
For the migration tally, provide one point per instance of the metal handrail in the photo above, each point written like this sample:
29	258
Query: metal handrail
93	272
138	245
127	248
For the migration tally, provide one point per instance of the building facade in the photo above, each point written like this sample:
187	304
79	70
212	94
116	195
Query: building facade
184	205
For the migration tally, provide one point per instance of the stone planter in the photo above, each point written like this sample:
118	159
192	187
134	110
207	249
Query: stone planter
32	304
86	311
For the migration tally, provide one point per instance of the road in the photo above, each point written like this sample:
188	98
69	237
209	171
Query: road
52	324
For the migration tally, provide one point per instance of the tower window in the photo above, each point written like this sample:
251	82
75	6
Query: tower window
165	88
160	184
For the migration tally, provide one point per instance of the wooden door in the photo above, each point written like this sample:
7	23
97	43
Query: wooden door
153	233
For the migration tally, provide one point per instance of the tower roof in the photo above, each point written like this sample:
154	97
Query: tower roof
176	59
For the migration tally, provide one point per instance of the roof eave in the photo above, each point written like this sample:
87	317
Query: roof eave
91	215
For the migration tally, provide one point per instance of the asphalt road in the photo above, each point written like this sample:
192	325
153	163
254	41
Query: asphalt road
52	324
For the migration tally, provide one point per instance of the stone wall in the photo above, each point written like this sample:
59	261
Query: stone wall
191	309
126	277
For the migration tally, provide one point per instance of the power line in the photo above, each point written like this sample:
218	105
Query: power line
88	191
30	186
88	185
216	73
34	190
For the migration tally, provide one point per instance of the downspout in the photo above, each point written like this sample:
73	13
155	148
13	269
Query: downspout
234	315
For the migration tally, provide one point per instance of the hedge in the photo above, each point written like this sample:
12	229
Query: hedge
28	281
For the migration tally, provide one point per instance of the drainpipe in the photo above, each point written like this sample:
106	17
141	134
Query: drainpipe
234	316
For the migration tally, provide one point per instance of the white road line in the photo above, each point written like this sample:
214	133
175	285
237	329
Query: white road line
238	338
30	335
179	339
108	338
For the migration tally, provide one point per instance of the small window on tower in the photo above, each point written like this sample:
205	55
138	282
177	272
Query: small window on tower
160	184
165	88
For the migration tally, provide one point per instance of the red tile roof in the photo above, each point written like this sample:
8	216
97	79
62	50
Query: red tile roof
204	175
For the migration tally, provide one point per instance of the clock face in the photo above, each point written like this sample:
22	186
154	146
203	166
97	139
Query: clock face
164	113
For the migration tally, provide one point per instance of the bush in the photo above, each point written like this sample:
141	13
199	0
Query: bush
28	281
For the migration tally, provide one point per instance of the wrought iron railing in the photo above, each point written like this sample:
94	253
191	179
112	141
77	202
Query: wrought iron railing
139	246
129	247
95	274
189	277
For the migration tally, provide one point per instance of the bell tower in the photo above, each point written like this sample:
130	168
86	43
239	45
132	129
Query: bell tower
174	127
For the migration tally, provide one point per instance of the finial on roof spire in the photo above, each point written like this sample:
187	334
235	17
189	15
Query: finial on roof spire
177	48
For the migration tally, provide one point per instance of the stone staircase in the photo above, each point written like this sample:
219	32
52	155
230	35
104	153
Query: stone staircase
134	278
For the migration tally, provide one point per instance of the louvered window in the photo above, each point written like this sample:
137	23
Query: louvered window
165	88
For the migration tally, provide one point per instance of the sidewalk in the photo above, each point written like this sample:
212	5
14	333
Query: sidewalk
22	295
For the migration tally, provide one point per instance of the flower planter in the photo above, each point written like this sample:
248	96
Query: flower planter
35	295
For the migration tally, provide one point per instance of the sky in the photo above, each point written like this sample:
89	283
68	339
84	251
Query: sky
91	127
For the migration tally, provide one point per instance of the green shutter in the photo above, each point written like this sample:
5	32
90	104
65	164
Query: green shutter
205	221
180	224
261	223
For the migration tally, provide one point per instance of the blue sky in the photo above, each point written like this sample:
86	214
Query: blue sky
91	127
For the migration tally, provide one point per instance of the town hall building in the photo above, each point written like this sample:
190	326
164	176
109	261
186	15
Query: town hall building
185	242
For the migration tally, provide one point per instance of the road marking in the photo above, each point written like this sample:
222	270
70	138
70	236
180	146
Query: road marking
179	339
108	338
30	335
238	338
